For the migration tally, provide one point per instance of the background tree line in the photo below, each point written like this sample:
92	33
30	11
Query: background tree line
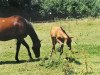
50	9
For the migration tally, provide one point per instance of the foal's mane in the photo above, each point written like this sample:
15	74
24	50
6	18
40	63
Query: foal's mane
64	31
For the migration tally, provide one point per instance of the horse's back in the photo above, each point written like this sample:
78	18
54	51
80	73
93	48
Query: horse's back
54	30
11	27
8	22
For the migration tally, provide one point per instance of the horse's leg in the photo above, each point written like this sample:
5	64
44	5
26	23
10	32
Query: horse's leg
17	49
53	43
26	45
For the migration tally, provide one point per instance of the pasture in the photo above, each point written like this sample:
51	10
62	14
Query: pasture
83	60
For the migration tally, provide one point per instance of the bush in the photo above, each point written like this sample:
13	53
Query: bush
50	9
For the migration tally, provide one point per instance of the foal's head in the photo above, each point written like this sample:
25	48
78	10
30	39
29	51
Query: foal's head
36	49
68	42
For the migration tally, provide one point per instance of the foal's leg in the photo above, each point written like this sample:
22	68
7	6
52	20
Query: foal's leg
17	49
53	43
61	48
26	45
61	42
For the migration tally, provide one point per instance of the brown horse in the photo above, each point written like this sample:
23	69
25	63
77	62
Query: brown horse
59	35
17	27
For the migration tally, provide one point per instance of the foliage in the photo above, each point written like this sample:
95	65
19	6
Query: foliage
50	9
71	8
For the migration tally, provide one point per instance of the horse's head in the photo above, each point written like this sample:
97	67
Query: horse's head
36	49
68	42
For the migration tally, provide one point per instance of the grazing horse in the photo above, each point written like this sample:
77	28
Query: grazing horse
59	35
17	27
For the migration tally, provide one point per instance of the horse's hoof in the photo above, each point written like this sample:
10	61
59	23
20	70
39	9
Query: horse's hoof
17	60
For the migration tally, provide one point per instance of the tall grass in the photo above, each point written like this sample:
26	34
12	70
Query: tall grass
86	38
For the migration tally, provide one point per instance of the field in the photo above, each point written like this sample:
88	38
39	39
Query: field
84	59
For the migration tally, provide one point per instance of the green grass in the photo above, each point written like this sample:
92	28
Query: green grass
85	46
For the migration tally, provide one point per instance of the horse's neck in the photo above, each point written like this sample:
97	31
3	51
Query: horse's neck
33	35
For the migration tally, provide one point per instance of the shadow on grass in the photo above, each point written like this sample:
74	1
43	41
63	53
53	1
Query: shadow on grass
73	60
19	62
97	62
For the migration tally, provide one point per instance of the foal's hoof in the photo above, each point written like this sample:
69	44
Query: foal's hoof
29	60
59	50
37	59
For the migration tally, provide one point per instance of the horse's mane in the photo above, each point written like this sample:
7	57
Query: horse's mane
32	32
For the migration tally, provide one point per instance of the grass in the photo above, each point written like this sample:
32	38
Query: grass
85	46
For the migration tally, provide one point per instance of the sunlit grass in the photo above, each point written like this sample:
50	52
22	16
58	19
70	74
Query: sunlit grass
86	42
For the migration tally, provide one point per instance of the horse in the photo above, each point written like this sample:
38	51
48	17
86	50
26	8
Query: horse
58	35
17	27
